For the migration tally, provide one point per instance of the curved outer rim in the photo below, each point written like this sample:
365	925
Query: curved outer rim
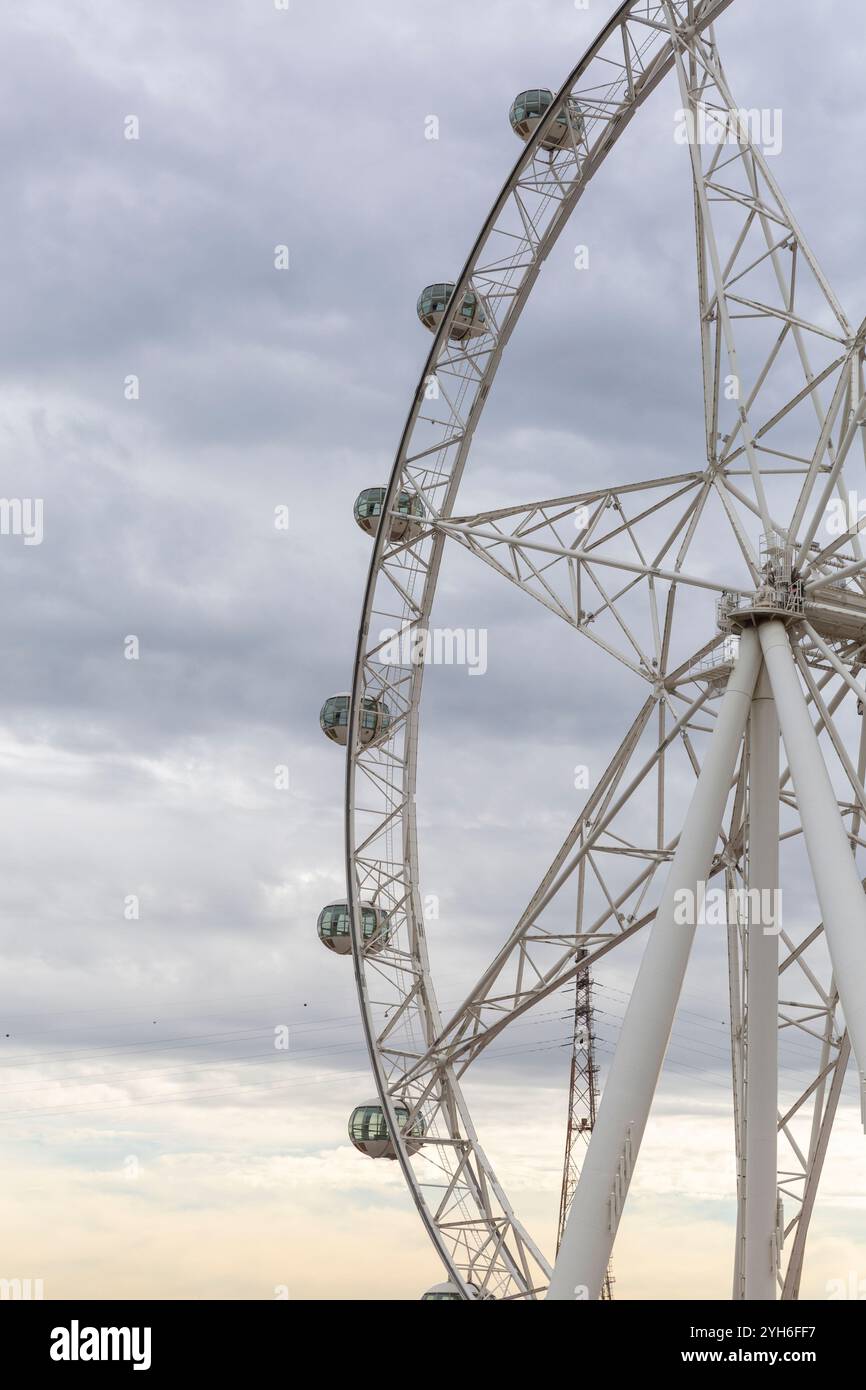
632	10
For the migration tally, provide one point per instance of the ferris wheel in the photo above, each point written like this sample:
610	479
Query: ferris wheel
723	592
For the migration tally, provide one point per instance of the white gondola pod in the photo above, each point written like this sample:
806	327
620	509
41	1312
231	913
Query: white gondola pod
470	320
451	1293
404	526
529	108
334	719
369	1132
334	928
443	1293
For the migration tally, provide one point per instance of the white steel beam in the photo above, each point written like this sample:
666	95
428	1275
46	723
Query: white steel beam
837	882
588	1239
762	1000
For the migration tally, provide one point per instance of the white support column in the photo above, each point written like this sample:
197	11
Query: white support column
762	999
601	1191
837	882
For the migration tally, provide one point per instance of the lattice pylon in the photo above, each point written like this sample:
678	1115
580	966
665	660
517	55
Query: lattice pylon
582	1101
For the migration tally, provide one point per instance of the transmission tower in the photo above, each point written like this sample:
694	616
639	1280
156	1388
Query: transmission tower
582	1097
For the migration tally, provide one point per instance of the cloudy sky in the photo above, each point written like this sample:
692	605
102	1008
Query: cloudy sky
165	389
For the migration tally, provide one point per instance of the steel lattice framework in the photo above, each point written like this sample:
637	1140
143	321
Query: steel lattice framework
784	405
582	1104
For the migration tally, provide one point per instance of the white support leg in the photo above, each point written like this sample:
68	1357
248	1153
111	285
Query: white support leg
762	1000
601	1191
837	882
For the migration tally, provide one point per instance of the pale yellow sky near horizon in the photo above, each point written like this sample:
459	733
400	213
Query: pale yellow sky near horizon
232	1207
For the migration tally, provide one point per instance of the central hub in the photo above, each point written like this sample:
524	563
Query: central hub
835	611
780	594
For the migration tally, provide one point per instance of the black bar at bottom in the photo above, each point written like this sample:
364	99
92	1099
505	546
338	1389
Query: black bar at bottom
245	1339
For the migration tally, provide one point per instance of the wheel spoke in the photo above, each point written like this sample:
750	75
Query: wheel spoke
529	547
766	308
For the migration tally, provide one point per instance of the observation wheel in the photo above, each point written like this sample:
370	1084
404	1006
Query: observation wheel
746	758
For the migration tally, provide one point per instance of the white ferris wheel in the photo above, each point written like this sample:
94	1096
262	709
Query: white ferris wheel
763	715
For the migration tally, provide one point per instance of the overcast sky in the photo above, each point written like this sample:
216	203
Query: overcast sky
154	1144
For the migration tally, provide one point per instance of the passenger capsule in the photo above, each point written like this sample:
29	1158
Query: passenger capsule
334	931
450	1293
527	110
334	719
368	1130
468	323
368	510
442	1293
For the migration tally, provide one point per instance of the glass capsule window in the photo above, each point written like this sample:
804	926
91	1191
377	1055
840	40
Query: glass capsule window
369	504
368	1124
528	109
371	500
334	922
375	715
434	299
470	309
528	105
335	713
